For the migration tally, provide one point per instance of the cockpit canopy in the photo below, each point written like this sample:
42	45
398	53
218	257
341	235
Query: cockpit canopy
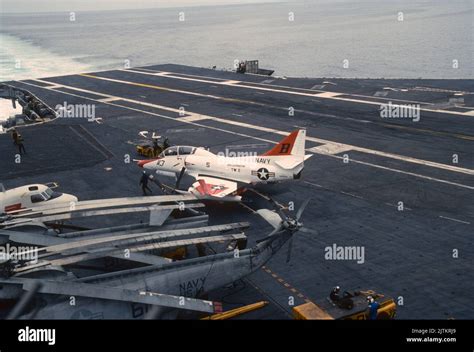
43	196
177	150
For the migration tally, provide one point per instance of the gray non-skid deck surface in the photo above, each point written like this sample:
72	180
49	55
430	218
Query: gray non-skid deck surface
408	253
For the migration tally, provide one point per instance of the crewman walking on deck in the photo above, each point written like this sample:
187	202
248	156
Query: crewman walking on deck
144	183
18	141
156	147
14	135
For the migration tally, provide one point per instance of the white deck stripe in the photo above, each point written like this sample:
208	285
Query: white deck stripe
192	118
322	94
318	140
456	220
106	100
331	148
265	83
239	134
327	95
352	147
54	86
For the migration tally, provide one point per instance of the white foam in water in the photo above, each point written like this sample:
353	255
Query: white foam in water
20	59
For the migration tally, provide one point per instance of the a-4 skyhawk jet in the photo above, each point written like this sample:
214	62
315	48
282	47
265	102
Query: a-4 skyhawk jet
224	177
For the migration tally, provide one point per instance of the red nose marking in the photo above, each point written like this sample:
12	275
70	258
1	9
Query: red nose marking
143	162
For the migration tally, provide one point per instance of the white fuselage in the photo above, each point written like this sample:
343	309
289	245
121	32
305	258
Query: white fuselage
248	169
31	196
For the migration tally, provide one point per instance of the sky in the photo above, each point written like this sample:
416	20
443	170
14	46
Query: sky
98	5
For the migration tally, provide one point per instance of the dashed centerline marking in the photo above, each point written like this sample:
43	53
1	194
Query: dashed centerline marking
285	284
360	197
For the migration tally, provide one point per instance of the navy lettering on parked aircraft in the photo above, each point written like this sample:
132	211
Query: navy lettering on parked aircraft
192	288
263	160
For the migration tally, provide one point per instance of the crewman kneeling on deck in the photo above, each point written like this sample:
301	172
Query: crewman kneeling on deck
144	183
334	295
344	302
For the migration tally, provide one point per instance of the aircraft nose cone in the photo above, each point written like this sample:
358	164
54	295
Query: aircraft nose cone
142	163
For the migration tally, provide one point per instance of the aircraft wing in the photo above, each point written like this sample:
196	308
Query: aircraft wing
70	288
213	187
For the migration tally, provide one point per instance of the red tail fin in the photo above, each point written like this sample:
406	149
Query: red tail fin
285	147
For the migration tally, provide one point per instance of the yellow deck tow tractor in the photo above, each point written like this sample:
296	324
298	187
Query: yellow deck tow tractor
153	149
328	310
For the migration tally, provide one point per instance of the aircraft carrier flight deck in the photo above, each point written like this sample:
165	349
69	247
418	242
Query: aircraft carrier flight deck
403	188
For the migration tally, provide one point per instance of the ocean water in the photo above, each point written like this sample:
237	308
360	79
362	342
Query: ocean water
322	35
